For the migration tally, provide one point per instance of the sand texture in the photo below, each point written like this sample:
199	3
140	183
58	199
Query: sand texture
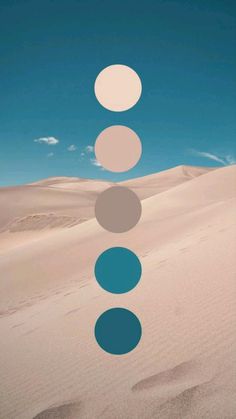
184	366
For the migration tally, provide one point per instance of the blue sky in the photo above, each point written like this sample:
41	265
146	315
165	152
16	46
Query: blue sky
52	51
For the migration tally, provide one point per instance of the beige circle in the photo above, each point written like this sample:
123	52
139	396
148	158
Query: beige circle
118	209
118	88
118	148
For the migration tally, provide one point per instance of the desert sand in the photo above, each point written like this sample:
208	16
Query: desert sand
184	366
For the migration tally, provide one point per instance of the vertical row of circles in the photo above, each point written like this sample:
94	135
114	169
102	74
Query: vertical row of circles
118	209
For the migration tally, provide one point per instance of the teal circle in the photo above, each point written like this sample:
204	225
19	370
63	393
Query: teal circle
118	270
118	331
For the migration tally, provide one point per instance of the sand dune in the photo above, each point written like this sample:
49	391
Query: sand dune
46	198
35	209
184	366
159	182
75	197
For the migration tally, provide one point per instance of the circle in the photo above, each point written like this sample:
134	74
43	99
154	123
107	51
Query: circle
118	87
118	209
118	270
118	331
118	148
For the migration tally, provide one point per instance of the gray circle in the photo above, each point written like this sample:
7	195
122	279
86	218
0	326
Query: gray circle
118	209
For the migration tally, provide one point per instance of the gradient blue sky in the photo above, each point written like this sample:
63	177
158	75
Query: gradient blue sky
52	51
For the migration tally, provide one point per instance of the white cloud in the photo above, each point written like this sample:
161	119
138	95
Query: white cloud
47	140
96	163
209	156
49	155
72	147
89	149
230	159
224	160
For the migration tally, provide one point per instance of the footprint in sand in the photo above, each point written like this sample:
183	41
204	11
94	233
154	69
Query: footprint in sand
68	293
180	378
222	230
17	325
183	249
64	411
180	406
84	285
29	332
162	262
72	311
203	239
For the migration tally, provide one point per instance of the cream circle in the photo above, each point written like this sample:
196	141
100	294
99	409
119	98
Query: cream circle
118	87
118	148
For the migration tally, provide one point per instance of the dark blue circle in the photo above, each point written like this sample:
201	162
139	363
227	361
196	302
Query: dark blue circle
118	270
118	331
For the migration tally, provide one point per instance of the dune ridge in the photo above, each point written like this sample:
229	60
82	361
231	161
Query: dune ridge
60	197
